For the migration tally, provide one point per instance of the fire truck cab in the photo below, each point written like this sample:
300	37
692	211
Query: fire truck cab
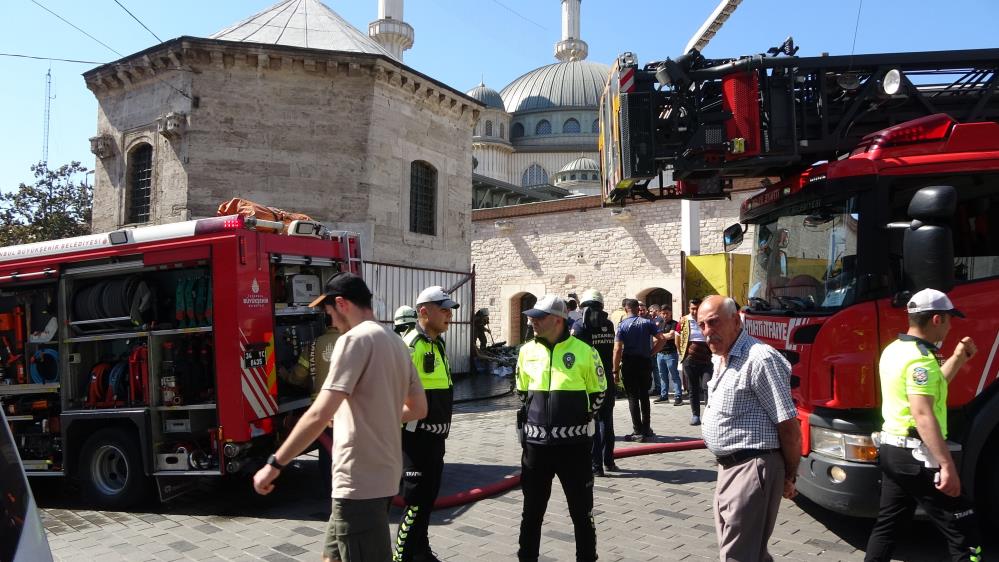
153	353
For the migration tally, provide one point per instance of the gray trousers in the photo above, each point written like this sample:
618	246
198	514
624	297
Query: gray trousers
747	497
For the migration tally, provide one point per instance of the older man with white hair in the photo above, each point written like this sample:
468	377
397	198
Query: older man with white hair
751	426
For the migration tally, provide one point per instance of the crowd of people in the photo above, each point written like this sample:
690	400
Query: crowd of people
389	400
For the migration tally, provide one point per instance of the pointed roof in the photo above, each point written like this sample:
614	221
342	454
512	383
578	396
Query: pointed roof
301	23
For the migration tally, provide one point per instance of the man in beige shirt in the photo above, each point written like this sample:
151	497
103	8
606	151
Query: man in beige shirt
371	389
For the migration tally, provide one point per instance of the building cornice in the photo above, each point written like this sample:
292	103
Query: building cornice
192	54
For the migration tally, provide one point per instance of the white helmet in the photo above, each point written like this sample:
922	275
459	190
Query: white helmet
591	295
404	315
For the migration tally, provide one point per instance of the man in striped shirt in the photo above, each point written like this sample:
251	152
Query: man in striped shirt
751	426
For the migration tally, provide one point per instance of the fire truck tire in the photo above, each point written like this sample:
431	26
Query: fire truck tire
111	472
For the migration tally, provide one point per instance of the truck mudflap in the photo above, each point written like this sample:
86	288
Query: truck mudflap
857	495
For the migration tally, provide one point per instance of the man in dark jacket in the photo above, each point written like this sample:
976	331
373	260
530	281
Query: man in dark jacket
595	329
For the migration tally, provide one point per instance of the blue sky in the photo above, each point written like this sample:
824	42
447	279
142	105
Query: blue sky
457	42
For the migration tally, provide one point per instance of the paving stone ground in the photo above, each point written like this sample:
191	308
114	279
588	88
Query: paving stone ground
657	508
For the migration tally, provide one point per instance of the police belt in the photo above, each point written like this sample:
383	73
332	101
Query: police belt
898	441
435	428
732	459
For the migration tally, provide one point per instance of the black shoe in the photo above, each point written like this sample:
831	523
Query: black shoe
695	420
661	399
598	472
613	467
635	438
678	401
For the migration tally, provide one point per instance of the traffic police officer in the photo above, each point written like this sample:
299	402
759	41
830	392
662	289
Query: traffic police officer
595	329
915	461
423	441
561	381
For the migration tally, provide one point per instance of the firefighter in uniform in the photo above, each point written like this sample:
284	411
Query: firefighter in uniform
561	381
403	320
595	329
309	373
423	441
916	464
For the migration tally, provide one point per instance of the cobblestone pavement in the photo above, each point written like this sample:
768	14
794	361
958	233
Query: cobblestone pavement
657	508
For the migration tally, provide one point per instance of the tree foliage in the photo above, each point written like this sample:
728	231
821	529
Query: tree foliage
53	207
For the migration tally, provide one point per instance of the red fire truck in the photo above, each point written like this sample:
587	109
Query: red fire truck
880	177
152	354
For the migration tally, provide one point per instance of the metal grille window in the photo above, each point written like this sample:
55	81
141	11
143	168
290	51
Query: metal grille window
596	126
570	127
422	198
140	183
489	128
535	175
517	131
544	127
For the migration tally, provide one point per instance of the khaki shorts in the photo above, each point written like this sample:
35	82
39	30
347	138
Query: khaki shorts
358	531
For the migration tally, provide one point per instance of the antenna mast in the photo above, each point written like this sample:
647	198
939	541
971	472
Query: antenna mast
48	107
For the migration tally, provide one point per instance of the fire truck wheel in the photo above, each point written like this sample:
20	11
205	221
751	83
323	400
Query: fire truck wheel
111	473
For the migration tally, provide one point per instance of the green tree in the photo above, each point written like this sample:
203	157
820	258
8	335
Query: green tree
53	207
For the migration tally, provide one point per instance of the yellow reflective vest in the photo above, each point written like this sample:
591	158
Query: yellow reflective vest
561	386
431	364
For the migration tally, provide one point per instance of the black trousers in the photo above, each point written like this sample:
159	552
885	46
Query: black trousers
422	465
694	372
540	464
603	437
636	372
906	482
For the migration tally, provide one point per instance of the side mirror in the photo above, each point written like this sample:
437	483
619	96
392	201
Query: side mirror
732	237
928	246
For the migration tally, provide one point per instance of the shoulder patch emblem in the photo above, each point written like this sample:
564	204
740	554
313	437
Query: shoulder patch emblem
920	376
569	360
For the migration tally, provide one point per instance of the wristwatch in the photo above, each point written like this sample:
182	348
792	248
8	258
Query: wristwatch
272	461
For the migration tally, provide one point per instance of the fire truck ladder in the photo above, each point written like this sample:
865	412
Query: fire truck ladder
773	115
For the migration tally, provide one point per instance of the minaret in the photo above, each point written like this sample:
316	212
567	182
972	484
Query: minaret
571	47
389	30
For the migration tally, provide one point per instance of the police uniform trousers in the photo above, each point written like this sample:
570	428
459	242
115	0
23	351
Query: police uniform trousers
422	466
540	464
603	436
906	482
636	372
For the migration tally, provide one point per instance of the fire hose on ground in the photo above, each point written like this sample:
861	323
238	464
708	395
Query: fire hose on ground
513	480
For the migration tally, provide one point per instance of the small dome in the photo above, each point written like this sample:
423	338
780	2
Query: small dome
486	95
560	85
581	164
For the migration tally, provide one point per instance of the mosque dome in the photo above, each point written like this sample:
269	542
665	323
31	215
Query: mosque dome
581	164
572	84
486	95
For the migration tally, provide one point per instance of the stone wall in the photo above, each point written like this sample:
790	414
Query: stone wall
328	134
573	245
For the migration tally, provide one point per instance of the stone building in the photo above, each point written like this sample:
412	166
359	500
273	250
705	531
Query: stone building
558	247
295	108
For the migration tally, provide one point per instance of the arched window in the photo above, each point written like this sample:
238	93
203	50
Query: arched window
140	183
489	128
544	127
502	131
571	126
535	175
594	177
572	177
596	126
422	198
517	131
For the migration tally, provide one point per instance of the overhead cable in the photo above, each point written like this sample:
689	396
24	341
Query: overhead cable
138	21
76	28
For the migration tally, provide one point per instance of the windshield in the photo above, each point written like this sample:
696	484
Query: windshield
806	262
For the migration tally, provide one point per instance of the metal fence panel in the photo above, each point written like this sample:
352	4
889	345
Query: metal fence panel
395	285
